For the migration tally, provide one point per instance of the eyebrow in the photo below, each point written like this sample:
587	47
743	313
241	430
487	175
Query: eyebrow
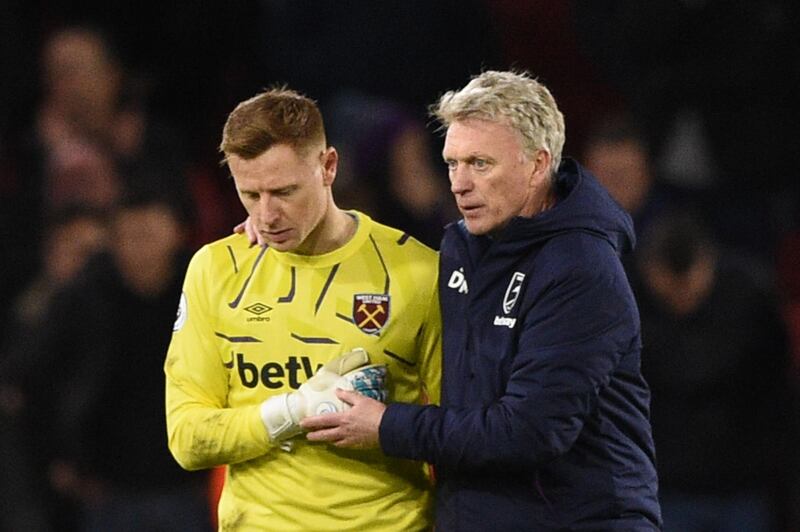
472	157
285	188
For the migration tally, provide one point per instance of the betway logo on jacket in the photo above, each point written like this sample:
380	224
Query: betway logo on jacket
274	375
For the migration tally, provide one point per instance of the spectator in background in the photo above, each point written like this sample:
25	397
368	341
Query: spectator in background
617	154
89	94
103	352
79	171
91	128
715	355
388	168
715	85
82	86
72	237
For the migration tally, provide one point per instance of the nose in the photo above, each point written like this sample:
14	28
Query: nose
460	180
267	210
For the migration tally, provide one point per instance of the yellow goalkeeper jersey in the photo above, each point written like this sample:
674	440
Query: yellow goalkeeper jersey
254	322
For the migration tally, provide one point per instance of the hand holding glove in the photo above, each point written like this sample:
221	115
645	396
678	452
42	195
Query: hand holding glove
282	413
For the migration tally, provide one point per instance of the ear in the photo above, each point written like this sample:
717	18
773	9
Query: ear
540	168
330	162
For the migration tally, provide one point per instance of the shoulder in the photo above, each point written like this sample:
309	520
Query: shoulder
235	242
225	257
580	268
412	266
579	253
578	284
401	247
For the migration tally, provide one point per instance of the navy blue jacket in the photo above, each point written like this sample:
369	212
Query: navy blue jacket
544	422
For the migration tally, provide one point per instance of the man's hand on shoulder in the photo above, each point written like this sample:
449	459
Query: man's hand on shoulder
247	228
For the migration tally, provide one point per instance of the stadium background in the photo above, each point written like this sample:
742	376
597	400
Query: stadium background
712	86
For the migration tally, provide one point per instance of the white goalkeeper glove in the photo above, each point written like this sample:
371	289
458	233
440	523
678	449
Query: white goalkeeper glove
282	413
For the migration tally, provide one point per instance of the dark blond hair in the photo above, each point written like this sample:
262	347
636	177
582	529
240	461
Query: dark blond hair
275	116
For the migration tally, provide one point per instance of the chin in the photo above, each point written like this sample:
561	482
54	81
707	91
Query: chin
287	245
475	228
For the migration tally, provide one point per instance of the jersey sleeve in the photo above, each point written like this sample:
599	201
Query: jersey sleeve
202	430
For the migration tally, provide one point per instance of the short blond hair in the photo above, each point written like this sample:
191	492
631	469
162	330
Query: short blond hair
514	98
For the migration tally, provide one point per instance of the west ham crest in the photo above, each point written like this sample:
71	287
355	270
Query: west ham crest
370	312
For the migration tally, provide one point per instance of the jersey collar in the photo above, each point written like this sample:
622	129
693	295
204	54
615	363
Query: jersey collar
326	260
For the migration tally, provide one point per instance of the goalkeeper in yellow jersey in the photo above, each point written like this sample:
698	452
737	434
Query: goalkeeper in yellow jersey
265	334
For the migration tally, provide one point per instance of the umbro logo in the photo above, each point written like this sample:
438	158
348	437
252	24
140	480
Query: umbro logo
258	309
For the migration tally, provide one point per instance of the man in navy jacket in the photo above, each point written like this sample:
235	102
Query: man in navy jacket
544	421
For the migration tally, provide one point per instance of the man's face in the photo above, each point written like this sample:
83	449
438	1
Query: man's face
682	294
286	193
145	241
622	168
491	177
78	73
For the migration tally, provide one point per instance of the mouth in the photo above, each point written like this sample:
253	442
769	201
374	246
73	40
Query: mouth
276	236
469	210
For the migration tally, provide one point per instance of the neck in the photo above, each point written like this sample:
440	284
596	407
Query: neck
334	231
343	228
548	201
537	205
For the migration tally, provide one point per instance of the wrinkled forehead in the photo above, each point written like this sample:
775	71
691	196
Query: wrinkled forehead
478	134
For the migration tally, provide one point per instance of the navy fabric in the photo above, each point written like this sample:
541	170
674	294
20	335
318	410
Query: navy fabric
544	422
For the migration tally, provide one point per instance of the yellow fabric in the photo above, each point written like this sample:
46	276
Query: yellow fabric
254	323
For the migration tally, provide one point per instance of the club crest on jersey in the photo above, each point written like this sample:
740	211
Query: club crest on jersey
370	311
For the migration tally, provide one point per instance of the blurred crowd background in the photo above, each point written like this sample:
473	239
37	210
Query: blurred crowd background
110	115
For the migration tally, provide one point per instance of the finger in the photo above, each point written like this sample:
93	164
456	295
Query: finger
329	435
256	240
239	228
353	442
252	234
323	421
348	396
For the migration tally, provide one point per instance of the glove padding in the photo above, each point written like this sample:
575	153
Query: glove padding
282	413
